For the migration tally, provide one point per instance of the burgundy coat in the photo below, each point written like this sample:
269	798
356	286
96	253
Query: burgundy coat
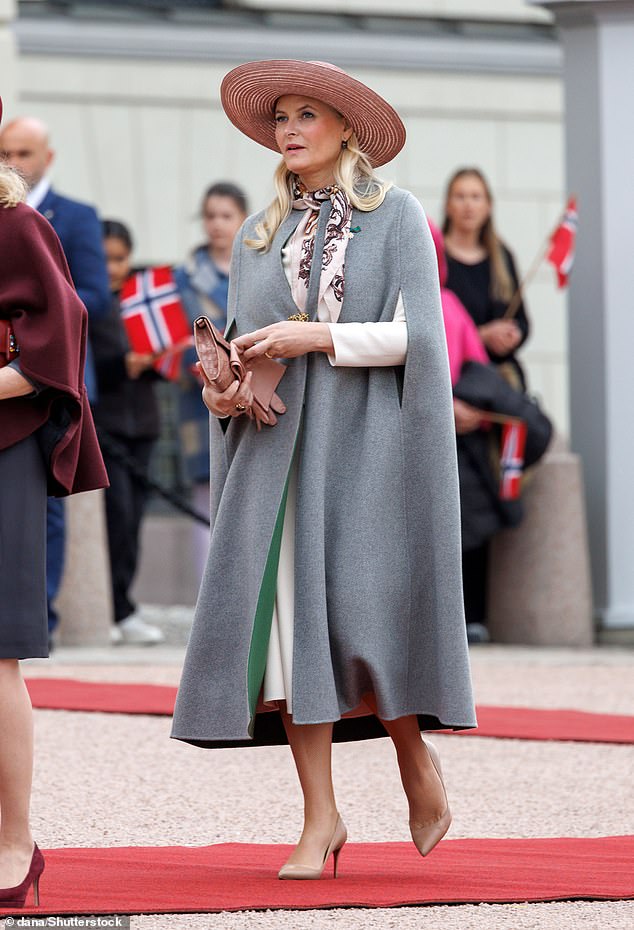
49	321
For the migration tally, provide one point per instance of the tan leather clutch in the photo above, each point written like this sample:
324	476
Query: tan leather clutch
223	364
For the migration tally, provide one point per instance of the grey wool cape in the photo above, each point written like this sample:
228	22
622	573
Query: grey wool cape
378	594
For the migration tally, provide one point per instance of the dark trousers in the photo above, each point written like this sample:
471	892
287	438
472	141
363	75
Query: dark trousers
55	544
125	504
475	566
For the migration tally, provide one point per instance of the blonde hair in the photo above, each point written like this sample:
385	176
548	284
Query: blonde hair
13	189
502	285
354	176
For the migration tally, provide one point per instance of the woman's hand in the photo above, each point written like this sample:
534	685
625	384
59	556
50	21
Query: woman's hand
13	384
286	339
467	417
501	336
236	400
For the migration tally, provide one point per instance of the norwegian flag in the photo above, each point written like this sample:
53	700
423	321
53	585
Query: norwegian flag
512	459
155	320
561	252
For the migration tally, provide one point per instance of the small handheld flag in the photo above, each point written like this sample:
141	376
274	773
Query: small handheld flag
512	459
558	248
155	320
561	251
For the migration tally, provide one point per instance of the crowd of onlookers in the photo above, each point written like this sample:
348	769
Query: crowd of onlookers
485	322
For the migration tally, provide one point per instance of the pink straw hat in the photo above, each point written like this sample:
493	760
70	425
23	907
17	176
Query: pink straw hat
250	91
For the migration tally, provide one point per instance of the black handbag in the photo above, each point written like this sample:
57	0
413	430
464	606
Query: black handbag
483	387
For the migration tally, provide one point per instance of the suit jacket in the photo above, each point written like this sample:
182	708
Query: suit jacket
79	230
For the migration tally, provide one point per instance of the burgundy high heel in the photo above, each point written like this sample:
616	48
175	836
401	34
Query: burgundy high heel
16	896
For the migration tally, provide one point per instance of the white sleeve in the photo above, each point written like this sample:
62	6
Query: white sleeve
358	345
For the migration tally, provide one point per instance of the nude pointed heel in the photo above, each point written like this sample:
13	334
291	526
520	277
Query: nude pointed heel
427	836
335	859
296	871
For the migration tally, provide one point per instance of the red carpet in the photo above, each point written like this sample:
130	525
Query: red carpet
103	696
233	876
533	723
502	722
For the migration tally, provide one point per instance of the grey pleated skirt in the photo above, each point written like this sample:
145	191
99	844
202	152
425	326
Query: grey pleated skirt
23	612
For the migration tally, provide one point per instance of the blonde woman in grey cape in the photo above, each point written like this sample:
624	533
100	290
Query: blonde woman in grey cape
331	606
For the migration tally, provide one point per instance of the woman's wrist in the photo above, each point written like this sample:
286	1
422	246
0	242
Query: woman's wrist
323	338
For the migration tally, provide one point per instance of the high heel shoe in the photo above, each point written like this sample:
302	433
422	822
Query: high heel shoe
429	835
295	871
16	896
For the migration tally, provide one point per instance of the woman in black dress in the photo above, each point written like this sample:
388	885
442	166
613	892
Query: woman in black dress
481	270
482	273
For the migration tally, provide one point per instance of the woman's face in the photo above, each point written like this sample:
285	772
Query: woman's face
118	261
309	134
222	218
468	206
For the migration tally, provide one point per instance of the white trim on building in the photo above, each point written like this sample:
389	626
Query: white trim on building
349	48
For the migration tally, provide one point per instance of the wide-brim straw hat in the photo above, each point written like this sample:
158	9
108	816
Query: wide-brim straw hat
250	91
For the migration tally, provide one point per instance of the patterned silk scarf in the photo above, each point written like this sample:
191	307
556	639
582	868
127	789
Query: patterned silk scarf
302	247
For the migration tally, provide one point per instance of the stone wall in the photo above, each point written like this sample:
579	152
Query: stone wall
8	56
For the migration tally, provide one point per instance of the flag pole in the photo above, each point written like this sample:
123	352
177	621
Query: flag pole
501	418
516	300
514	305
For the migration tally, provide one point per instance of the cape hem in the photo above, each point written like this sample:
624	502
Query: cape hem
269	731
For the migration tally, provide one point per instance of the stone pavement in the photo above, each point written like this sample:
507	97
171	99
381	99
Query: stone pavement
105	779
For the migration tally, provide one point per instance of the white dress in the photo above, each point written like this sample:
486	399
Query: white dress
356	345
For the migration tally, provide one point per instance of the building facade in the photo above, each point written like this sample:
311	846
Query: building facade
130	92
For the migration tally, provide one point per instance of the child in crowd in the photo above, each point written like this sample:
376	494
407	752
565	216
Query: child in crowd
128	422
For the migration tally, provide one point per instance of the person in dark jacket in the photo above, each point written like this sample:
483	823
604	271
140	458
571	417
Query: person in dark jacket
47	444
128	421
483	513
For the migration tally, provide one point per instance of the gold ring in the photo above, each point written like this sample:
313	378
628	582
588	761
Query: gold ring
267	355
240	407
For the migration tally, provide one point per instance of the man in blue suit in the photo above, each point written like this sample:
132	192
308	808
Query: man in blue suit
24	144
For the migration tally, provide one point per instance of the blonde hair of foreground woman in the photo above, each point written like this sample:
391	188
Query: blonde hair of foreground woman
12	187
354	176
